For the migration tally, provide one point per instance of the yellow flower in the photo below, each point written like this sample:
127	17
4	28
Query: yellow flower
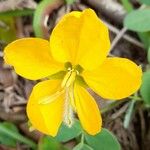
76	57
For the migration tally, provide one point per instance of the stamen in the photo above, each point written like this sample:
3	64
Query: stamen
68	113
65	79
71	78
49	99
71	97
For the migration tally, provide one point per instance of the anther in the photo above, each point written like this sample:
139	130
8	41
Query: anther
65	79
51	98
71	79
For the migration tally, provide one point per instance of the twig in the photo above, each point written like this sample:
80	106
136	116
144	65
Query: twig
4	25
118	38
1	54
110	8
111	106
19	103
125	36
16	117
119	112
142	123
129	114
19	26
8	5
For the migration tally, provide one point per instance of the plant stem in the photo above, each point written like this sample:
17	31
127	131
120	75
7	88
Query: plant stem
82	138
127	5
111	106
17	136
136	98
128	114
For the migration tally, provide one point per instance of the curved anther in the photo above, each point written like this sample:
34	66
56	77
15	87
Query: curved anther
51	98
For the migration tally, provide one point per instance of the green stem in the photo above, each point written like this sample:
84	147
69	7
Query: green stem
136	98
17	136
128	114
44	9
111	106
114	104
127	5
130	109
82	138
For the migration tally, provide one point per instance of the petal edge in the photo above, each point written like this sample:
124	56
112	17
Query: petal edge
87	110
116	78
31	58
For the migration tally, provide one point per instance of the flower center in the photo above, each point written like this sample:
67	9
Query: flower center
69	78
67	88
68	84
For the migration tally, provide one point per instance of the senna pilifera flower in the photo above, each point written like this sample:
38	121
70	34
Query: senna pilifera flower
73	59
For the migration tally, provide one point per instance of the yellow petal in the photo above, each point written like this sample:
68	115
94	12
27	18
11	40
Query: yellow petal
116	78
31	58
87	110
46	118
80	37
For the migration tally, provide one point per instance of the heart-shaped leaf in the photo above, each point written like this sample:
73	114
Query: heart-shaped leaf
65	133
49	143
138	20
4	138
104	140
145	88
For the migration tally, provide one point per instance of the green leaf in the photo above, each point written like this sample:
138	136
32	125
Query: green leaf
145	38
4	138
70	1
148	55
138	20
49	143
16	13
145	88
147	2
65	133
82	146
7	30
104	140
16	136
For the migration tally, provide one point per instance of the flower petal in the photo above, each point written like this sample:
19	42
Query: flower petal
31	58
87	110
80	37
46	118
116	78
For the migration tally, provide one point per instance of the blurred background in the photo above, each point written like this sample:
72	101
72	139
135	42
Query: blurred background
129	25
